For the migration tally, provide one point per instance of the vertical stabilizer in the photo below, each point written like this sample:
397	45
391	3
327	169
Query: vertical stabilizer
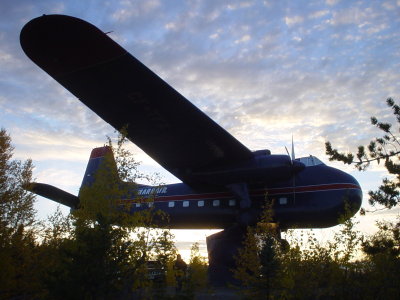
101	157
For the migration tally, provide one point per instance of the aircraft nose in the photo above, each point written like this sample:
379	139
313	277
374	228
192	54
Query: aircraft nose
354	195
341	192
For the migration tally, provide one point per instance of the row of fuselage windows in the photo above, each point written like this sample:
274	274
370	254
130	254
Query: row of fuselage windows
198	203
201	203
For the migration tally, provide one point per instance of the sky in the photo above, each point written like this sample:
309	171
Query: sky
263	70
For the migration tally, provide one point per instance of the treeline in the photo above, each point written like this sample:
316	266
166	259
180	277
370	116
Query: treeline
349	266
102	253
97	252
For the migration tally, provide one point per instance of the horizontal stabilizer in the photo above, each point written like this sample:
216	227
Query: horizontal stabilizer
53	193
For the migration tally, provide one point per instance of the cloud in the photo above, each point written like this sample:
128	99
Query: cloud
243	39
61	178
290	21
389	5
377	28
319	14
132	9
264	71
332	2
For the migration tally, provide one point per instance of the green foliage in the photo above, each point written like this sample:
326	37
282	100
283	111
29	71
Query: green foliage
109	247
383	262
164	248
101	251
17	226
257	262
310	269
384	149
197	277
90	265
385	242
16	204
191	279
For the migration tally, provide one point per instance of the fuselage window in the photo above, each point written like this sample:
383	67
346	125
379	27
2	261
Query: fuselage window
200	203
232	202
137	204
283	201
150	204
216	203
171	204
185	204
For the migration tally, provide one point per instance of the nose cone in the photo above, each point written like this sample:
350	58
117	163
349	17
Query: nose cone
353	196
330	196
346	193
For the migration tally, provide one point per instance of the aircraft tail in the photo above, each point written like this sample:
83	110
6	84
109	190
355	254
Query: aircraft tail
100	158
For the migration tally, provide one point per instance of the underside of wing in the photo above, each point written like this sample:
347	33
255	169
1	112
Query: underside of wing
125	93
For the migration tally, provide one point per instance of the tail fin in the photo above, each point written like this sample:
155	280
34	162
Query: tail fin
100	157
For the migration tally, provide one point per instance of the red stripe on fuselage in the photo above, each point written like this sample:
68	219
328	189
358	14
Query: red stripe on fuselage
308	188
256	192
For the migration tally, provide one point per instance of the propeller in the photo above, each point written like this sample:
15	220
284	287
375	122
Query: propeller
292	157
294	164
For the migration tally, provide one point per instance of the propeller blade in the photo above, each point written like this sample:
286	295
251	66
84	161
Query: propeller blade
293	156
287	151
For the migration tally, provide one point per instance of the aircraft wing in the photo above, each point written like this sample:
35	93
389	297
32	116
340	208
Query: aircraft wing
124	92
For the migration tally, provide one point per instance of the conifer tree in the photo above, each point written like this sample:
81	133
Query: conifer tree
258	261
384	149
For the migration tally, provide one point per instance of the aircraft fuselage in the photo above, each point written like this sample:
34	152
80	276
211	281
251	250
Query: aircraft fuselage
315	198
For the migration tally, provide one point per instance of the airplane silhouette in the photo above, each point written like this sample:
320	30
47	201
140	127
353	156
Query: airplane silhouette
224	184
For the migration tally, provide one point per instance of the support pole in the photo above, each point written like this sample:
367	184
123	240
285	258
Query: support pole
222	247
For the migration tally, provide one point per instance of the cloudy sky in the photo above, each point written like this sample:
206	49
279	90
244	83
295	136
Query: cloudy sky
264	70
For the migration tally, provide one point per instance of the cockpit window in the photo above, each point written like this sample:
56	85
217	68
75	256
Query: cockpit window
310	161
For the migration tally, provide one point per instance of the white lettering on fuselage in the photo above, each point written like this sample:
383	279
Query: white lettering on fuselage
153	190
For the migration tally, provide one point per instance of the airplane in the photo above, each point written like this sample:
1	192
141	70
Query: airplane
224	184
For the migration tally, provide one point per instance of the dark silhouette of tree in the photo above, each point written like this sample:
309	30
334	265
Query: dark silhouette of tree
17	226
258	263
107	253
16	204
100	251
384	149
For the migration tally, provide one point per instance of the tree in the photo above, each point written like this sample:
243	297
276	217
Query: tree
16	204
109	248
383	261
384	149
258	261
308	269
17	225
197	270
385	241
100	251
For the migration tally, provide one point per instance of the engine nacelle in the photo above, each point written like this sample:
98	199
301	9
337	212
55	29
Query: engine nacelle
263	168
